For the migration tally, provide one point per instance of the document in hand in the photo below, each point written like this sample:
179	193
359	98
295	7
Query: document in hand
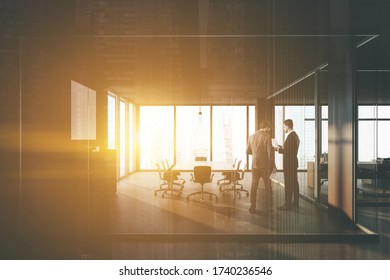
274	143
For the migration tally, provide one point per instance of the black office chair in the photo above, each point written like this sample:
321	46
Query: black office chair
229	176
163	183
167	164
202	175
168	179
200	158
226	174
237	187
174	173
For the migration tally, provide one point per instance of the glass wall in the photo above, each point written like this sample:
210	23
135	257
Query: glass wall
372	182
303	102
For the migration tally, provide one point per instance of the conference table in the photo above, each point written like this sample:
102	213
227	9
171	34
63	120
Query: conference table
377	171
216	166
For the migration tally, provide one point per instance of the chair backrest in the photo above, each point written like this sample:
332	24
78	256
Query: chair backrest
200	158
202	174
243	172
238	164
163	165
167	163
159	171
234	162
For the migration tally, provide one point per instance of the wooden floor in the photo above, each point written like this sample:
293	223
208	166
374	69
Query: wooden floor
144	226
138	210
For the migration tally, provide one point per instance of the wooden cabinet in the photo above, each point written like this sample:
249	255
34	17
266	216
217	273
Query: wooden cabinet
103	172
310	173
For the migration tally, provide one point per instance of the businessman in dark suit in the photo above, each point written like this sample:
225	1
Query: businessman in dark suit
290	166
263	163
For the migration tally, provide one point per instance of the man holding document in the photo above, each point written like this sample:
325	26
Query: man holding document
290	166
263	163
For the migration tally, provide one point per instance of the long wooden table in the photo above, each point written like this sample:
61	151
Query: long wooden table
217	166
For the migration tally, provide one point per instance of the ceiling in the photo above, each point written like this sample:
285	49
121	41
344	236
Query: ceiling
196	51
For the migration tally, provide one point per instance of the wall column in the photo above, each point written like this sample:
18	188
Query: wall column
341	110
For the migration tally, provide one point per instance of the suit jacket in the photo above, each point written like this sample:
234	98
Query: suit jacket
290	151
260	147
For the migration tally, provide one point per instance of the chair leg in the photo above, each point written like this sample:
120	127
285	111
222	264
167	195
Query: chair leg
202	192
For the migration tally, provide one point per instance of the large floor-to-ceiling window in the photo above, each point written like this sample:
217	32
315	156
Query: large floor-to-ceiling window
122	138
131	137
303	118
111	122
177	133
121	131
251	125
218	133
229	133
156	135
192	132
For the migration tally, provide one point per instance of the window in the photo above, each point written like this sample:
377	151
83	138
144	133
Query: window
251	128
303	118
373	126
192	132
131	137
122	138
83	112
111	121
229	133
231	126
156	135
324	129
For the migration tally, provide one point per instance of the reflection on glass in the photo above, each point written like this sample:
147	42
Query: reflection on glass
156	135
122	138
192	132
111	122
229	133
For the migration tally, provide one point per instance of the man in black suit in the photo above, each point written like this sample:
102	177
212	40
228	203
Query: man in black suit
263	163
290	166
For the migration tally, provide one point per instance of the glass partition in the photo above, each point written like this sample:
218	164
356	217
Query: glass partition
372	175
